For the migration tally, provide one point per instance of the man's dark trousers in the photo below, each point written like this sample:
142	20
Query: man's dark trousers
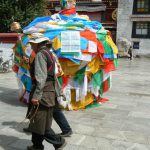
61	120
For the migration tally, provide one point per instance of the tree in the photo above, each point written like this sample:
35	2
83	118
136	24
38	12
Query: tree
22	11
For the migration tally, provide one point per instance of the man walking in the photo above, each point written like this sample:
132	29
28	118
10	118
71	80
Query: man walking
42	97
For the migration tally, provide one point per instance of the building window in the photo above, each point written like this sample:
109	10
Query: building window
141	7
141	30
136	45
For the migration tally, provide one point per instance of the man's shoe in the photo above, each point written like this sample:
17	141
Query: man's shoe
26	130
60	147
66	134
32	148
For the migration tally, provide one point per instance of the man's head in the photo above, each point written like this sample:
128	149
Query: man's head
68	3
15	27
71	3
37	40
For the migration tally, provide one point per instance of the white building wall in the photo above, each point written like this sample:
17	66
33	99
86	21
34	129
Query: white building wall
144	47
6	50
124	27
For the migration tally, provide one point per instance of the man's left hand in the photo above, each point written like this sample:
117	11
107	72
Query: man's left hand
35	101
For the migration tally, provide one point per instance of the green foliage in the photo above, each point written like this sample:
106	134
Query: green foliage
22	11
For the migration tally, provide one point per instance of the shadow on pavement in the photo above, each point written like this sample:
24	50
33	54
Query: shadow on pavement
10	96
18	126
12	142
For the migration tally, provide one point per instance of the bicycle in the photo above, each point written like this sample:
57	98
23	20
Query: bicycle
5	65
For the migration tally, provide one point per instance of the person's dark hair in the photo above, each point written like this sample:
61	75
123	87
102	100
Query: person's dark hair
49	44
44	43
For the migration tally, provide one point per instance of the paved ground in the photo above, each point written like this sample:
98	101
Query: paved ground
123	123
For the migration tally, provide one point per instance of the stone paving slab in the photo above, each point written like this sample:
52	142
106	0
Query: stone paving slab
123	123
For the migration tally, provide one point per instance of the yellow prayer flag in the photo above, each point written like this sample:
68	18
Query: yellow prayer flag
112	44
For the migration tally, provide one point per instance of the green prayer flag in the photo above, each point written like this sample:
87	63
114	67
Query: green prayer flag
60	80
97	78
93	105
107	48
79	76
101	37
116	62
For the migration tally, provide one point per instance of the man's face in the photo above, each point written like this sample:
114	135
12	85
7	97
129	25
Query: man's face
34	46
70	4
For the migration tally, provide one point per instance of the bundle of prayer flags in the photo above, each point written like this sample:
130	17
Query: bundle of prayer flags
86	53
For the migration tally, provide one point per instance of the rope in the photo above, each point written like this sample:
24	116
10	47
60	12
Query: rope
29	115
